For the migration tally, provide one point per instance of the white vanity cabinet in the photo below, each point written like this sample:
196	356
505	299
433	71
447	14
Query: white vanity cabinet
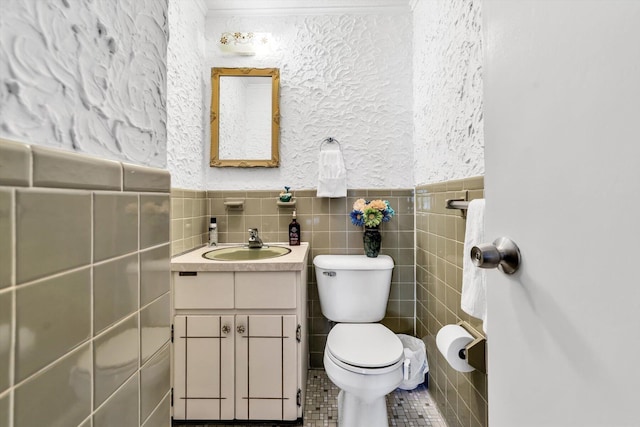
239	344
203	377
266	377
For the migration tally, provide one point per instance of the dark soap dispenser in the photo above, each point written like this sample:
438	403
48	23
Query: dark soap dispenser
294	231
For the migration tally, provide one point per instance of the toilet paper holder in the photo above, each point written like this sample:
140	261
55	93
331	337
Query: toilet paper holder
475	353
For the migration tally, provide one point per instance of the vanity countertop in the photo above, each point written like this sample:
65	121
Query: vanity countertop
296	260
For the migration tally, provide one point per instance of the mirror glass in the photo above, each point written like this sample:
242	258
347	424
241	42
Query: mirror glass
244	117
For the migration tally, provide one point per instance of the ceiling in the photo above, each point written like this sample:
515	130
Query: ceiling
284	7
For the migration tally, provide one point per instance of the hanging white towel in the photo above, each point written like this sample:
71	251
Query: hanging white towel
332	174
474	284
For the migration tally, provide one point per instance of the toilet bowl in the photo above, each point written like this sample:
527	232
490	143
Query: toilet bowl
362	357
365	362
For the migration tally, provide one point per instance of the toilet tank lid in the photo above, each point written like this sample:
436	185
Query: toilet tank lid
353	262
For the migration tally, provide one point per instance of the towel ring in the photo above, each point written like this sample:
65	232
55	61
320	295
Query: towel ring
330	140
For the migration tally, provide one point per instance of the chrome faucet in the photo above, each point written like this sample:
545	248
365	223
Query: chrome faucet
255	242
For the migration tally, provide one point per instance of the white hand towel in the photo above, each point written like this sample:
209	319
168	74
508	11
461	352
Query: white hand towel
332	174
474	284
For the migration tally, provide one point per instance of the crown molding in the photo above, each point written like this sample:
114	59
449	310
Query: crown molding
305	7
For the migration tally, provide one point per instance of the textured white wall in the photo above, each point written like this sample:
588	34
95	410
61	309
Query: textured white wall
86	76
345	76
186	95
447	90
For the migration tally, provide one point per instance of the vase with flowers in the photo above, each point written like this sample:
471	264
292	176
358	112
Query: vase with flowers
370	215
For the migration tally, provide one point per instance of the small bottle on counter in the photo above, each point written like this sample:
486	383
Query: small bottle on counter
294	231
213	232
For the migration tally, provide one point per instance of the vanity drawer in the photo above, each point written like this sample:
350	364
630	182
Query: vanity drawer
203	290
266	289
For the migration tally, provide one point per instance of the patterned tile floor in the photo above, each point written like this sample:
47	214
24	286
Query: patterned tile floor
405	408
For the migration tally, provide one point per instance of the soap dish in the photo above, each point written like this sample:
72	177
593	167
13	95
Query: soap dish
290	204
234	204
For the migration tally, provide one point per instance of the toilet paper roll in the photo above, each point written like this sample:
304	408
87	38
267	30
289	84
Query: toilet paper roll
450	340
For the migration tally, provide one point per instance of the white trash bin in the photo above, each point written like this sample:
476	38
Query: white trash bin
415	362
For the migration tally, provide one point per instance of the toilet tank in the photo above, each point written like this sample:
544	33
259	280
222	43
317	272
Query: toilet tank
353	288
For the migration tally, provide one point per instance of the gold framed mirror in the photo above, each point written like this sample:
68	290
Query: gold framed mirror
245	117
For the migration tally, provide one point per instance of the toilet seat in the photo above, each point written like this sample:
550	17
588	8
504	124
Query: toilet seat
364	348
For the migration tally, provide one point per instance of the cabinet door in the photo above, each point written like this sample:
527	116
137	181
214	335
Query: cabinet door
203	384
266	369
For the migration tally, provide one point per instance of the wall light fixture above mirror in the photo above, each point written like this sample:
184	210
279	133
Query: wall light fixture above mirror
239	43
245	117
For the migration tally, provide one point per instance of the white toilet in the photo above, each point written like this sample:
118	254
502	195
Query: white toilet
362	357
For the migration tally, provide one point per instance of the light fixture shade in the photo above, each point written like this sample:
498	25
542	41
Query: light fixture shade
240	43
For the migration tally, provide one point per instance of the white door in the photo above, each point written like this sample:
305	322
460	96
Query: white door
562	152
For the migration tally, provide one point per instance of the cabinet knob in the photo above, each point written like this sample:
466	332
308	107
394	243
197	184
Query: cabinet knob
226	329
240	329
